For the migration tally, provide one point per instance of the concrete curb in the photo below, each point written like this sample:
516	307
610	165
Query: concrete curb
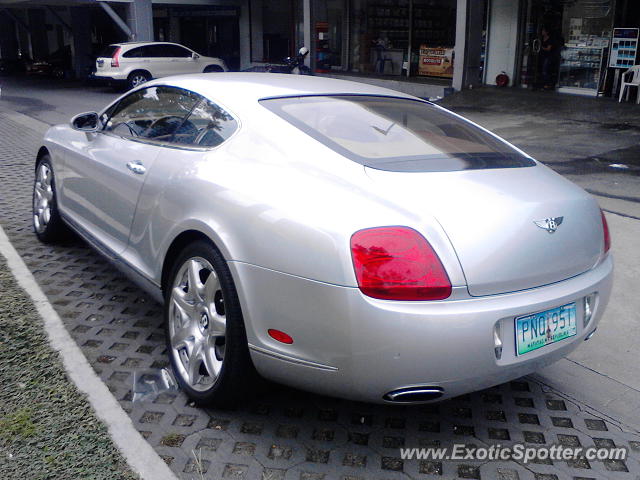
139	455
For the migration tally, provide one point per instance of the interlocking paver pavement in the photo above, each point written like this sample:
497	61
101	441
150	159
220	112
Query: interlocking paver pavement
284	434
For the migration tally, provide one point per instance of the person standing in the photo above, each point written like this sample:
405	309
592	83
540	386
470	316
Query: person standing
549	52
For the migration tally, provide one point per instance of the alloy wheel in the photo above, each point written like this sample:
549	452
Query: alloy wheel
138	80
197	324
42	198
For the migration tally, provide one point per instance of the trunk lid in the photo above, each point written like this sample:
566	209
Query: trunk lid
490	218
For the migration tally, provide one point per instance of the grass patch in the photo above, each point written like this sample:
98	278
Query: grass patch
47	428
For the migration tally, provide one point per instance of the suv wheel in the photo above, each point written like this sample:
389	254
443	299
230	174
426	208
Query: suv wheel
137	78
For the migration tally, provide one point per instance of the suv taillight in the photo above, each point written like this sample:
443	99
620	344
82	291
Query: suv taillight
397	263
607	235
115	59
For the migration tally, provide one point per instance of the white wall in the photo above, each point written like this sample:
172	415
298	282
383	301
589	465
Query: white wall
503	38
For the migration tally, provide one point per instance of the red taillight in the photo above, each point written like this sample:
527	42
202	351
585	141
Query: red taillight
607	235
397	263
115	59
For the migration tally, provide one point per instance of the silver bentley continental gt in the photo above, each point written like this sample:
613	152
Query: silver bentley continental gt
333	236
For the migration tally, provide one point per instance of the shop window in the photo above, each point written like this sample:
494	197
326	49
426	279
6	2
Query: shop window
386	35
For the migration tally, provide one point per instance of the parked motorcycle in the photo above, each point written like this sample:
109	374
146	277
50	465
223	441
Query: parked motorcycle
295	65
292	65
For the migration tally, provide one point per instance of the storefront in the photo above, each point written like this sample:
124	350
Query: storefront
578	34
391	38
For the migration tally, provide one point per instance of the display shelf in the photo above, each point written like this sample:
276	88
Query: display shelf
580	69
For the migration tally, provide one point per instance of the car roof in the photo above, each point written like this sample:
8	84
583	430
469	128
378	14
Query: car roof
137	44
243	87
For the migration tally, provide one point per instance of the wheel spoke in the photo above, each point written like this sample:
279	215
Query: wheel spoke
195	360
181	300
211	286
217	324
182	337
196	288
211	363
46	176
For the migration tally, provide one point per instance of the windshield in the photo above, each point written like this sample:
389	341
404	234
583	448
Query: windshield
396	134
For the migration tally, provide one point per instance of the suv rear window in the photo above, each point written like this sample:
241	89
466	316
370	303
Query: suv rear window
108	51
396	134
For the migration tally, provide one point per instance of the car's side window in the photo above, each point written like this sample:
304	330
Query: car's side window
176	51
211	123
153	113
134	53
155	51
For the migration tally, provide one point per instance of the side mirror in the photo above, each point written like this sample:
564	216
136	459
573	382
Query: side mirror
86	122
195	56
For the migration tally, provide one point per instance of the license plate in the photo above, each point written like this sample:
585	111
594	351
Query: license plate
544	328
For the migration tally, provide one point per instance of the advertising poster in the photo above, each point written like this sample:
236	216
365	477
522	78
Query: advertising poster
436	61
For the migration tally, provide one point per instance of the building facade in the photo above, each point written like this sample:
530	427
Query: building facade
424	47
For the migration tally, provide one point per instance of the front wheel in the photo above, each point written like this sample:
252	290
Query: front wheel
205	332
213	69
47	223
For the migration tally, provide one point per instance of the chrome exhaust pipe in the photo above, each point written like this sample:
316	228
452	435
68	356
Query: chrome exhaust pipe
414	394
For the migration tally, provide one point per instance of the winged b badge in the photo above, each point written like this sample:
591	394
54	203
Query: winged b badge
549	224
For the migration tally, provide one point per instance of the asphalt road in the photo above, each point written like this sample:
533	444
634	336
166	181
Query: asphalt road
593	142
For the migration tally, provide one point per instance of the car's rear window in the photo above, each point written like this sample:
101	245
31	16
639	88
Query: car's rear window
396	134
108	51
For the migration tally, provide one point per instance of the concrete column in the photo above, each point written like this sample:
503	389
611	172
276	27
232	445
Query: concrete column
309	36
81	46
36	21
461	41
140	19
174	29
23	32
469	26
8	38
502	40
245	36
257	31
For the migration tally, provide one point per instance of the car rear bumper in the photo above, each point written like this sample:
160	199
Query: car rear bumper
108	78
352	346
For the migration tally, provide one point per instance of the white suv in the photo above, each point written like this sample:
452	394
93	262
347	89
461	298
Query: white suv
139	62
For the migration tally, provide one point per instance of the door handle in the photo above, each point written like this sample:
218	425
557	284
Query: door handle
536	45
136	167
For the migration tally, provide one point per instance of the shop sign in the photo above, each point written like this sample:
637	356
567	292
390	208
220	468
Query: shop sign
436	61
624	48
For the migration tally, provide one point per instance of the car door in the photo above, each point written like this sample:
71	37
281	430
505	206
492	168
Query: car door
104	174
173	189
181	60
155	57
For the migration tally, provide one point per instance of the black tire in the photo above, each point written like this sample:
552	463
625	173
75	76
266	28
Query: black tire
47	223
236	374
137	77
213	69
